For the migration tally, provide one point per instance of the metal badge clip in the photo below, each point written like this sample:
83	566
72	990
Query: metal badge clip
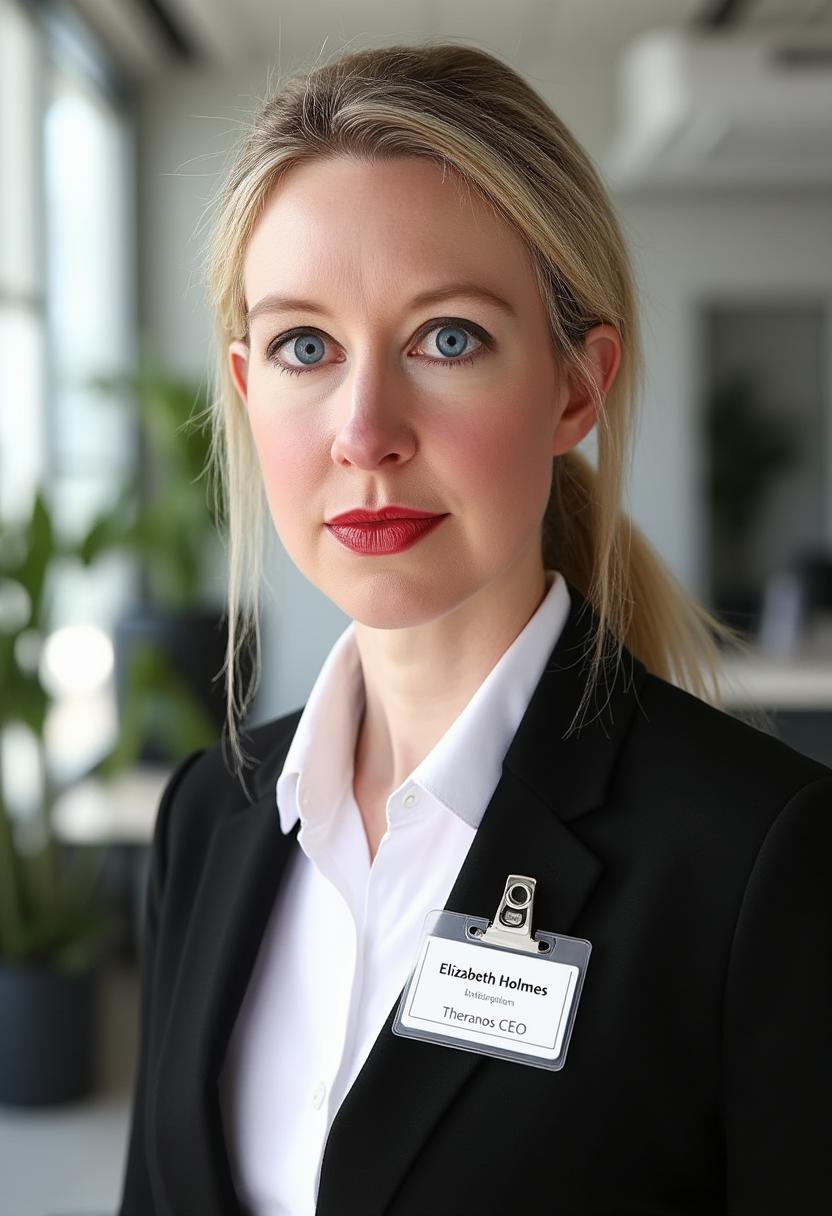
512	924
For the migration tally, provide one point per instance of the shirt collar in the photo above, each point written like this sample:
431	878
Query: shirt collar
462	769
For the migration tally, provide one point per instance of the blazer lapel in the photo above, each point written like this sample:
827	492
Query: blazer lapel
405	1085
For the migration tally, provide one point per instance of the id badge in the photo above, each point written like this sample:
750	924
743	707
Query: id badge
492	987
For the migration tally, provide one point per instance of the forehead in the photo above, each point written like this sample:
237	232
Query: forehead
358	230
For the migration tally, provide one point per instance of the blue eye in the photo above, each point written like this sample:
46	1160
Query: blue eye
454	337
305	348
451	340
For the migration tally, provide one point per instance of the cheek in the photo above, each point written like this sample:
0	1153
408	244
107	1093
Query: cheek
503	454
285	447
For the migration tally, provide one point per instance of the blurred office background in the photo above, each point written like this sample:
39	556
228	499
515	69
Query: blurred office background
711	122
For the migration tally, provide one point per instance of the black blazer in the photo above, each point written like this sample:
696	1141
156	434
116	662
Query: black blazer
690	849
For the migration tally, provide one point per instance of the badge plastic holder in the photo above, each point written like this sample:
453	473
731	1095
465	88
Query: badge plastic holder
492	987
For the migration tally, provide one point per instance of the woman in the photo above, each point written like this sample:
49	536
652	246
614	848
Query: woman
522	690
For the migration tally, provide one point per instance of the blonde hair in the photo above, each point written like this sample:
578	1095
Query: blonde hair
474	115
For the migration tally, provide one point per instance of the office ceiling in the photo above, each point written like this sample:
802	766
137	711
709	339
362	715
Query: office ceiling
148	36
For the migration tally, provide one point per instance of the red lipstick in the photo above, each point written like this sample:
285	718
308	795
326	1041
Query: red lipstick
388	530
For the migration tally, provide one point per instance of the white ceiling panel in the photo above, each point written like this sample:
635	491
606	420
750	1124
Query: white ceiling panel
286	32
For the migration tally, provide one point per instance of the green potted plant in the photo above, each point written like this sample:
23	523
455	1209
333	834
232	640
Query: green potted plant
170	645
54	932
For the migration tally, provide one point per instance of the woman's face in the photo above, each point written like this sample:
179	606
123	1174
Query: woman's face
367	395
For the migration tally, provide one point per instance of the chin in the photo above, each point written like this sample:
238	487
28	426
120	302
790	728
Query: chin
390	599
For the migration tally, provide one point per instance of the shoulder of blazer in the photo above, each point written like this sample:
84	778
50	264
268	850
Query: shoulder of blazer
706	782
204	790
684	727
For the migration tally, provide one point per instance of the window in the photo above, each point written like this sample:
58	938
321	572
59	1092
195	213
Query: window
67	302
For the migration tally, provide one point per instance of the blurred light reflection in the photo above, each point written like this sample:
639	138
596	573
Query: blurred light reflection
77	660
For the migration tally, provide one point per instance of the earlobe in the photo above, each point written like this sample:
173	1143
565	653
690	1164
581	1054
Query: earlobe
238	353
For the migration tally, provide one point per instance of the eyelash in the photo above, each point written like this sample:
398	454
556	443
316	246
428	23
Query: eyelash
444	323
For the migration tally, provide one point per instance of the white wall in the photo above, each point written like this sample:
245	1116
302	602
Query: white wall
685	249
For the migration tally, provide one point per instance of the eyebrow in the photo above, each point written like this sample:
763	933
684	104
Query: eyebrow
278	303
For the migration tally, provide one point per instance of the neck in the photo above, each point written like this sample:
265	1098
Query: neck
418	680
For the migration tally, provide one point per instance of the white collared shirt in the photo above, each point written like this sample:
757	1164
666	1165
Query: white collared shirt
343	932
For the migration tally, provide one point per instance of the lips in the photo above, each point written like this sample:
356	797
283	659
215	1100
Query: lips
390	530
361	516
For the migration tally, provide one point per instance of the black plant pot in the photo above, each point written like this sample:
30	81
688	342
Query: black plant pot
47	1034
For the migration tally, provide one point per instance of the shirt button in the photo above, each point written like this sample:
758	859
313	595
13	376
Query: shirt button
304	797
318	1095
410	799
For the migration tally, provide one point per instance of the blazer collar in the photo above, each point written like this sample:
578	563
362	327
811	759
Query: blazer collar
404	1086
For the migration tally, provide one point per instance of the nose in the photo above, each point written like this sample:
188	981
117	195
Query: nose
375	429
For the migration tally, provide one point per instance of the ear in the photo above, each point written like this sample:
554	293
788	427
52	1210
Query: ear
578	416
238	356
